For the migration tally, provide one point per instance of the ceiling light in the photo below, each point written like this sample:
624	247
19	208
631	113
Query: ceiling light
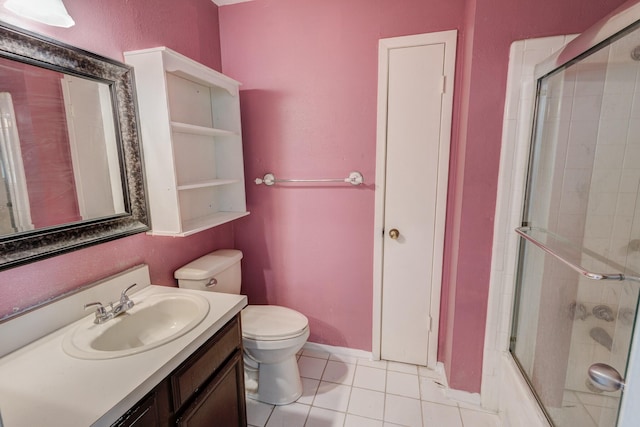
50	12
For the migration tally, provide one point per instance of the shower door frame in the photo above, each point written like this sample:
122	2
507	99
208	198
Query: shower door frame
499	369
603	32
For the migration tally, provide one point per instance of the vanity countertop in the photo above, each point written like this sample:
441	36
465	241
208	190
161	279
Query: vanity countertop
40	385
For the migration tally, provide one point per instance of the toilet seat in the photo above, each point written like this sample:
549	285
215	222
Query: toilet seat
272	323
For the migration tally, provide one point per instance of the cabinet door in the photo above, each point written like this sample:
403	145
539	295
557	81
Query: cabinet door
144	414
221	403
194	374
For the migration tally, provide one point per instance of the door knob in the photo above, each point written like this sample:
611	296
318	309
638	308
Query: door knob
605	377
394	233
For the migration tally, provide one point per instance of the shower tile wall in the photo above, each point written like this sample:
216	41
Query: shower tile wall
566	155
575	98
612	224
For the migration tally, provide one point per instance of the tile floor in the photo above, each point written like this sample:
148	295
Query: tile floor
347	391
585	410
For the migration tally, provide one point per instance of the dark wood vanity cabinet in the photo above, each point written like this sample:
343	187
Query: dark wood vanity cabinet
144	414
219	404
207	390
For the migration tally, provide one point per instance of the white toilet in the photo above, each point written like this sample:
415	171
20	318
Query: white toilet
271	335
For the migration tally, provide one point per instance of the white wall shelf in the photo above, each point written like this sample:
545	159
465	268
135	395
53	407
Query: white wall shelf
192	142
200	130
205	184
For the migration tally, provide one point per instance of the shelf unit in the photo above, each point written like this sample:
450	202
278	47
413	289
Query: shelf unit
192	142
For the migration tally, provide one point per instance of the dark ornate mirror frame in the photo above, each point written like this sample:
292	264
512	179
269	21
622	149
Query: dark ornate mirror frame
34	49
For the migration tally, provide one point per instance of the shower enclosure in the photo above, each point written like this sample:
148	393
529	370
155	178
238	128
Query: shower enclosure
579	263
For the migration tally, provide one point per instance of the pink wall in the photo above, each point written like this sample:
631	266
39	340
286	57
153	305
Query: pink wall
109	28
309	102
309	110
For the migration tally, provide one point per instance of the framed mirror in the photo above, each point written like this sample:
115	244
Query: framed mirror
70	159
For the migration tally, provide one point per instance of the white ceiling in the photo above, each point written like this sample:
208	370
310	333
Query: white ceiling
225	2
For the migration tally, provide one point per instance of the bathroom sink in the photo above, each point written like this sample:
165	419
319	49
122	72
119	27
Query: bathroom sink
153	321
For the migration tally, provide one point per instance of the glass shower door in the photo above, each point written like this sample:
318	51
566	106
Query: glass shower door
579	265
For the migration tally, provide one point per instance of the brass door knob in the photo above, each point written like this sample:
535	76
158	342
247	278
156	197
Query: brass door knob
394	233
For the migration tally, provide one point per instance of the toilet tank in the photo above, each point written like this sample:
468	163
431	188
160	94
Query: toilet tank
218	271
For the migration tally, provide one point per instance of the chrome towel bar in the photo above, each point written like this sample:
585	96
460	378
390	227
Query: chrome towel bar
522	231
354	178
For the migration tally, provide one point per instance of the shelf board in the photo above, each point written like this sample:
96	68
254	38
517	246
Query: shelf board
205	184
200	130
200	224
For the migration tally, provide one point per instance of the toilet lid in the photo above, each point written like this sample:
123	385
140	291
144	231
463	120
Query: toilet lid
272	322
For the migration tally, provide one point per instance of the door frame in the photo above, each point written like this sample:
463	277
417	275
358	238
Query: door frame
12	158
449	39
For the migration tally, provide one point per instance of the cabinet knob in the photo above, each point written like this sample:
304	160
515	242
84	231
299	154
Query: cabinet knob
394	233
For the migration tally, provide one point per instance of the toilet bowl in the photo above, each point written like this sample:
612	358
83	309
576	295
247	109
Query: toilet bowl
271	335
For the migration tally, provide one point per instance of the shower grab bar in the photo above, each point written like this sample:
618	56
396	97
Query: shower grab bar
354	178
522	231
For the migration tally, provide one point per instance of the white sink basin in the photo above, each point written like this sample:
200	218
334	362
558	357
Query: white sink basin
152	322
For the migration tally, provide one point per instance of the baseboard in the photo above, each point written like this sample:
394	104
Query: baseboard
342	351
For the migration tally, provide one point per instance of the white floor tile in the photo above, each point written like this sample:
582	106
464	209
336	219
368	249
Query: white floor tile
570	416
472	418
602	416
258	413
403	384
339	372
380	364
309	389
435	414
315	353
473	407
311	367
432	392
293	415
319	417
402	410
431	373
367	403
344	358
402	367
332	396
357	421
347	391
593	399
569	397
370	378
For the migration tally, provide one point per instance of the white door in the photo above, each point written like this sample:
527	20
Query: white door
92	140
415	109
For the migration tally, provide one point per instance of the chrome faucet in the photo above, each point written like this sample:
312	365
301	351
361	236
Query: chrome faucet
115	309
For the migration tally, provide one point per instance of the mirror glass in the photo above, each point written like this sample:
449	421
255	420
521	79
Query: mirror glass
70	160
58	149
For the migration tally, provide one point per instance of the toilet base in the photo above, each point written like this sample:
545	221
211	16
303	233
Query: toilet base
278	383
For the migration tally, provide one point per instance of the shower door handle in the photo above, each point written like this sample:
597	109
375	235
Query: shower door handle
605	377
